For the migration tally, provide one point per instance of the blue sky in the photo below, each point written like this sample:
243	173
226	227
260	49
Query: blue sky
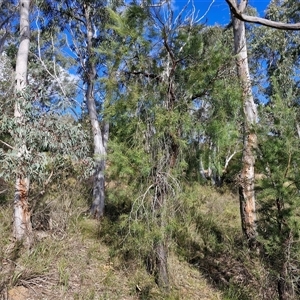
219	12
215	11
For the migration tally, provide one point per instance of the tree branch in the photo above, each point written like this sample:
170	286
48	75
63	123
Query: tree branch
7	145
257	20
242	6
145	74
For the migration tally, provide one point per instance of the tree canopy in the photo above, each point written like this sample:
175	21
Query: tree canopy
142	103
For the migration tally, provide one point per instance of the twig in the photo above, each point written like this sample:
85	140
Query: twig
7	145
208	9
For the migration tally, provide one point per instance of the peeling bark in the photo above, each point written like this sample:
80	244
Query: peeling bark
22	222
247	175
22	228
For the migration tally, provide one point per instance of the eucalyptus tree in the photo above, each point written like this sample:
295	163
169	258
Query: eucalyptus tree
22	223
279	141
279	144
36	136
247	174
247	193
83	30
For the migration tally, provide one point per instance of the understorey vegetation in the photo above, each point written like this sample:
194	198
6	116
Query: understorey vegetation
147	155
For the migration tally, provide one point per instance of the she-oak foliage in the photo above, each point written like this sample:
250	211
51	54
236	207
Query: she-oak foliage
278	152
169	83
175	109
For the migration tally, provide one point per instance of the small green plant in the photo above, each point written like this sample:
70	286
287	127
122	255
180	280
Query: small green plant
63	272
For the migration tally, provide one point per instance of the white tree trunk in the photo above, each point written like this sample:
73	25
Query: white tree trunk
246	185
239	13
100	138
97	208
22	223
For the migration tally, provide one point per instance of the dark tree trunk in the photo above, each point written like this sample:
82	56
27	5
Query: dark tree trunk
161	265
97	207
285	287
285	291
160	249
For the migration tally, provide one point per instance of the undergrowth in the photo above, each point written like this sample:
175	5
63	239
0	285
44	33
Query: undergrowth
75	257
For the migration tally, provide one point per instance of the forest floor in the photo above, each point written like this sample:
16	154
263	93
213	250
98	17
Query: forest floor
76	266
70	258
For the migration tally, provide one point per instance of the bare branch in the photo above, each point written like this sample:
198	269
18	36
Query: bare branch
53	75
228	159
2	40
159	4
4	22
207	11
7	145
257	20
48	179
298	129
148	75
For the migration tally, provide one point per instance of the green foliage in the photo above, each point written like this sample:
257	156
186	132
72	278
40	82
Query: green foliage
275	63
52	138
170	93
278	193
157	109
51	141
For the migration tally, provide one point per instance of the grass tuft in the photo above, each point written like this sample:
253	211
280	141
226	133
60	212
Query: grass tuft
75	257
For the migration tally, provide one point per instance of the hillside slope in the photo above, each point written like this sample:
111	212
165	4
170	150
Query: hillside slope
71	258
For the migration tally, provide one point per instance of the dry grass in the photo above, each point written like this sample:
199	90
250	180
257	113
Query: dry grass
69	259
80	267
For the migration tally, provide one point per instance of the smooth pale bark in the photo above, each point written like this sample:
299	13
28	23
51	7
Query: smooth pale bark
22	223
239	14
247	176
100	138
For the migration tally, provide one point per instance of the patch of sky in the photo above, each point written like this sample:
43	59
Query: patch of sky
209	12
